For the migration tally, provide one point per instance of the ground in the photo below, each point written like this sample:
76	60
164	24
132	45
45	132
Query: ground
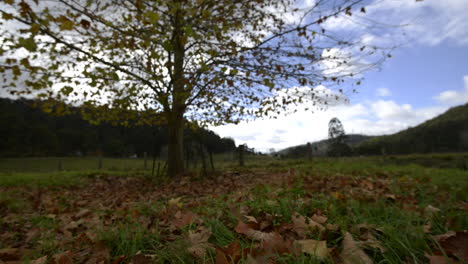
354	210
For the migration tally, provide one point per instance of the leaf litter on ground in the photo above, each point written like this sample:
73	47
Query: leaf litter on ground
74	215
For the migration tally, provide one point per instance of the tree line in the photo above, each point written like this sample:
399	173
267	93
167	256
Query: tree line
28	131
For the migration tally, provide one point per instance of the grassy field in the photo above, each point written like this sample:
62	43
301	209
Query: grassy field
350	210
51	164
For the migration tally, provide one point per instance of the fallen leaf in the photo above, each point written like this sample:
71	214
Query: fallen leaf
438	259
444	236
32	234
183	219
118	260
83	213
73	225
430	210
63	258
251	233
351	253
301	224
41	260
199	242
258	260
317	248
221	257
332	227
374	243
101	253
457	245
141	259
390	197
175	202
319	218
250	219
427	228
231	254
10	254
277	245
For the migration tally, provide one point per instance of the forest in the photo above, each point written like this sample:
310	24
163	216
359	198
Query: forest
27	131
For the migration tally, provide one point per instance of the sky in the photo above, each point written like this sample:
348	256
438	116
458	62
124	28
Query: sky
425	76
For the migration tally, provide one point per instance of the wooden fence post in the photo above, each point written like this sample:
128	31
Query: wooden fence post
241	155
100	162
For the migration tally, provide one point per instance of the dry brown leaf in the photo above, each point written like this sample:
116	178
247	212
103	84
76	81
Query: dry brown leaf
251	219
83	213
317	248
10	254
141	259
390	197
351	253
332	227
175	202
258	260
74	225
183	219
427	228
319	218
430	210
457	245
221	257
438	259
277	245
118	260
232	253
251	233
41	260
199	241
32	234
63	258
302	224
374	243
444	236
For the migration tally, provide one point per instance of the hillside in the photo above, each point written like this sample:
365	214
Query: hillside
26	131
447	132
320	148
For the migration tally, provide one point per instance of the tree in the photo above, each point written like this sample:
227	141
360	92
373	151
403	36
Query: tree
337	137
207	60
336	130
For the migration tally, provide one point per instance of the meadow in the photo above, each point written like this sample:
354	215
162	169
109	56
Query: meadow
344	210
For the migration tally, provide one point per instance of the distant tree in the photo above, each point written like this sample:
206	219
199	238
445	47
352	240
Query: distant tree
207	60
337	137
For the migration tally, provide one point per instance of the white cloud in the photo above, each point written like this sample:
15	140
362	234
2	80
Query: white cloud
383	92
370	118
427	22
452	97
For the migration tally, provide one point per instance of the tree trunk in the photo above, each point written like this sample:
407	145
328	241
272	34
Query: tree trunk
211	159
201	150
175	154
241	155
175	158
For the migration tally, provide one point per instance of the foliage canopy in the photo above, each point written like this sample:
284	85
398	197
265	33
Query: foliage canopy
207	60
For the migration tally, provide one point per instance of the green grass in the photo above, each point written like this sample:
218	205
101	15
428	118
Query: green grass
51	164
58	179
399	229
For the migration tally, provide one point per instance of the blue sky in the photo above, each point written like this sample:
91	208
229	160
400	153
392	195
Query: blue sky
424	78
